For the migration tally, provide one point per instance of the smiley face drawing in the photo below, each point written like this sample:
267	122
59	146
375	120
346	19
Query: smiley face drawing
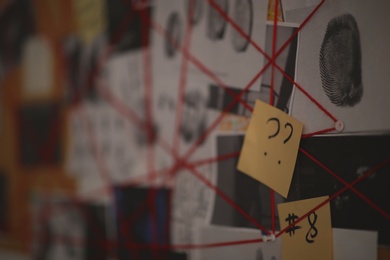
270	147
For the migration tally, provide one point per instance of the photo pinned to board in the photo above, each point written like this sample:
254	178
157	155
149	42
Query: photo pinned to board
334	66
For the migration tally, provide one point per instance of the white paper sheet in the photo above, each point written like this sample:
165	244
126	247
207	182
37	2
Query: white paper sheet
354	244
370	114
215	234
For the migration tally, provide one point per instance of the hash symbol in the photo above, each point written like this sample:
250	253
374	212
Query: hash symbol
291	218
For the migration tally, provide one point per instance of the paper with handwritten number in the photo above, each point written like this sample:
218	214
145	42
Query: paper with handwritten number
310	238
90	18
270	147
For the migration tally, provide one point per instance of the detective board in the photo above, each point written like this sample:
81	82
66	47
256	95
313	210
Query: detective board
194	129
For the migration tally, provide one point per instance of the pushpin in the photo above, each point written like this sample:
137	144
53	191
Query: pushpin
339	125
270	237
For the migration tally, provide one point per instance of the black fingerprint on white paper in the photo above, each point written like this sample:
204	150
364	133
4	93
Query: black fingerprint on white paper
340	61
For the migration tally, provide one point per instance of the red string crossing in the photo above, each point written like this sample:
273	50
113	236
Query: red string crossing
182	162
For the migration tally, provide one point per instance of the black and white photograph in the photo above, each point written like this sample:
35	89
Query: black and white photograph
122	145
171	16
349	157
59	228
243	17
233	59
283	88
64	229
82	69
249	194
122	142
193	203
124	80
298	10
342	63
214	57
194	120
221	98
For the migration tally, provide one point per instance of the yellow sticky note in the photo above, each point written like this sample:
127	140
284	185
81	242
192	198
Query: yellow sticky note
90	18
270	147
310	238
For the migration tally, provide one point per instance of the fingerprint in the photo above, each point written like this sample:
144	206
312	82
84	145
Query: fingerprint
340	61
216	23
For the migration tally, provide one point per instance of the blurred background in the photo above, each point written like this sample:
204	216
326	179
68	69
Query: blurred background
84	170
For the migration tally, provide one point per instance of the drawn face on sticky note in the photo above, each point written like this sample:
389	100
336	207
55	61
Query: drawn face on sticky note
270	147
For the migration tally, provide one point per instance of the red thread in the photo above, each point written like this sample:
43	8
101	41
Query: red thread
368	173
214	159
275	55
103	169
182	161
271	101
199	64
371	203
183	79
318	132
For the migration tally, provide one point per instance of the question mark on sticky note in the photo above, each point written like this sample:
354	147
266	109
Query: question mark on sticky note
270	147
274	135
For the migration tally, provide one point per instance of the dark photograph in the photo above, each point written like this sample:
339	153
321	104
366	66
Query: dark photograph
142	217
82	68
17	24
96	235
249	194
127	29
349	157
40	129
